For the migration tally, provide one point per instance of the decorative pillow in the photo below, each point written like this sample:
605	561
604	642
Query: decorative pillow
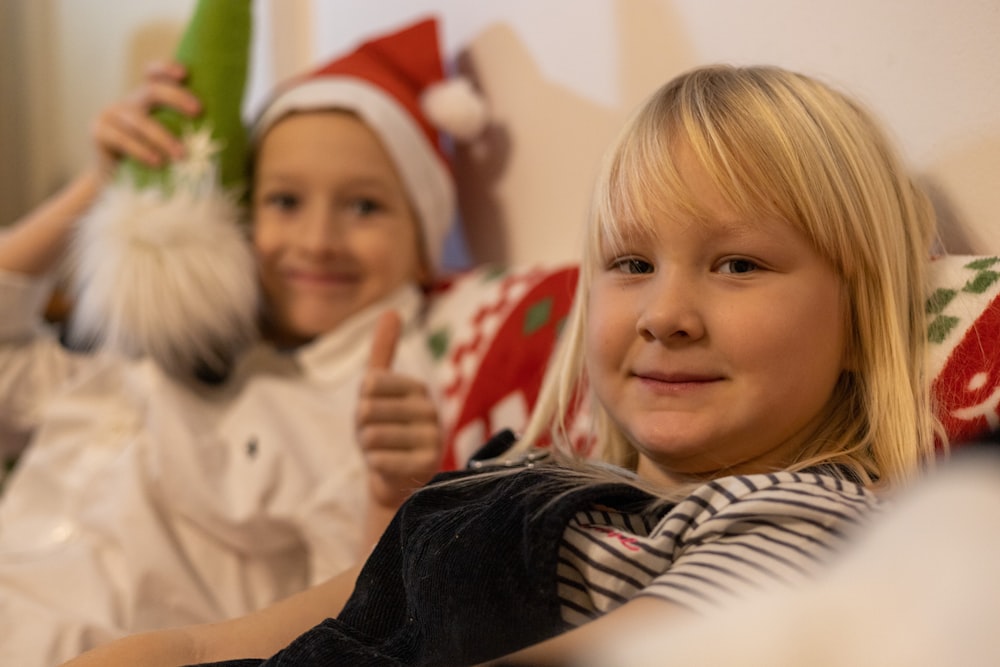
492	331
964	330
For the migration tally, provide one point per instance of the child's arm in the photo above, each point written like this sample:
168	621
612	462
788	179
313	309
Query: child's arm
572	647
398	431
266	632
261	634
34	244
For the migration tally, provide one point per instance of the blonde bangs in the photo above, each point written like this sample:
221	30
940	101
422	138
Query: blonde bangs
726	118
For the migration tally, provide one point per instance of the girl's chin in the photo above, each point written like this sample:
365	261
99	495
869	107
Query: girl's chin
671	440
319	318
296	331
312	329
678	453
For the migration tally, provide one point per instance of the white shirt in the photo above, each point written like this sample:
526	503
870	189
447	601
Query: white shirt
144	501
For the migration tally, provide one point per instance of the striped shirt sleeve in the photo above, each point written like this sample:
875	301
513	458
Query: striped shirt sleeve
730	536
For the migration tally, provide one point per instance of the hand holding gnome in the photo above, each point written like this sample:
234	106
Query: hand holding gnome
163	267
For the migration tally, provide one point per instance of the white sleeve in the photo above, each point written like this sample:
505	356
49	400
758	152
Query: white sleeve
33	363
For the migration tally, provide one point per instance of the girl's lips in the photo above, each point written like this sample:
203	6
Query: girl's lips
321	278
676	377
675	383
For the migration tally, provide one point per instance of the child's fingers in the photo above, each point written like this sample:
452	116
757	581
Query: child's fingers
160	69
115	135
379	383
387	332
154	134
400	440
127	128
407	409
168	94
400	458
125	131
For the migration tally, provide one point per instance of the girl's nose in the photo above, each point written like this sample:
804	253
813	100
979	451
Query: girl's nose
671	311
322	233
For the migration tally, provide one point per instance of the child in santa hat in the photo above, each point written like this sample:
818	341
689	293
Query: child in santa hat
149	498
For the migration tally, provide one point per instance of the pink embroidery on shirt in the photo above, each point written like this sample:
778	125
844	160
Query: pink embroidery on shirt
627	541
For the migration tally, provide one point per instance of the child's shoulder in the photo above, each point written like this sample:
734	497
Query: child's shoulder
807	495
817	482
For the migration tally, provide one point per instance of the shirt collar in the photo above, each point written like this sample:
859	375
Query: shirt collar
346	348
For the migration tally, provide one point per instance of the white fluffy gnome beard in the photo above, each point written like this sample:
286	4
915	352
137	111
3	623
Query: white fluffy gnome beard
168	275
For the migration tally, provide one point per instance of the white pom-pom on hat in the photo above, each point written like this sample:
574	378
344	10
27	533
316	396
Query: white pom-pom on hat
454	107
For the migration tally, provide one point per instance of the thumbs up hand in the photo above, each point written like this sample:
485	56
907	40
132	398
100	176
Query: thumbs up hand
397	425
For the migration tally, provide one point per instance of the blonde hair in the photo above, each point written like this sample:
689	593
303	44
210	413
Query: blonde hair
784	146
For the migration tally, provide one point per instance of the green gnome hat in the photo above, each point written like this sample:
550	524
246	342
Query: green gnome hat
164	269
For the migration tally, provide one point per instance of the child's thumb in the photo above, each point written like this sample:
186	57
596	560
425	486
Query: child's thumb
387	332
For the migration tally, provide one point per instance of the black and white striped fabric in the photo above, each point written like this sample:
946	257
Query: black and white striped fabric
730	536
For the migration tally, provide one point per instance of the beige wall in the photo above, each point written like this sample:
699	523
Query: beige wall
60	61
26	114
563	74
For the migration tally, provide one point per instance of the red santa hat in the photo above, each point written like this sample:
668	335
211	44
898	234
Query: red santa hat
396	84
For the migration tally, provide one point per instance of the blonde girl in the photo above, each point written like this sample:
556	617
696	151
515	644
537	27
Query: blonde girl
780	145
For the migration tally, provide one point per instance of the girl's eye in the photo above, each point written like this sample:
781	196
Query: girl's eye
632	266
282	201
365	206
738	266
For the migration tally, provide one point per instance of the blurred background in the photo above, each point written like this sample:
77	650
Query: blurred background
561	77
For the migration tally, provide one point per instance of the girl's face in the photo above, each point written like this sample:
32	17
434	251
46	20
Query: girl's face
333	228
715	346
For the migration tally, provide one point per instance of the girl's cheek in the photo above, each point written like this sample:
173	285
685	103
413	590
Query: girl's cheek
263	238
